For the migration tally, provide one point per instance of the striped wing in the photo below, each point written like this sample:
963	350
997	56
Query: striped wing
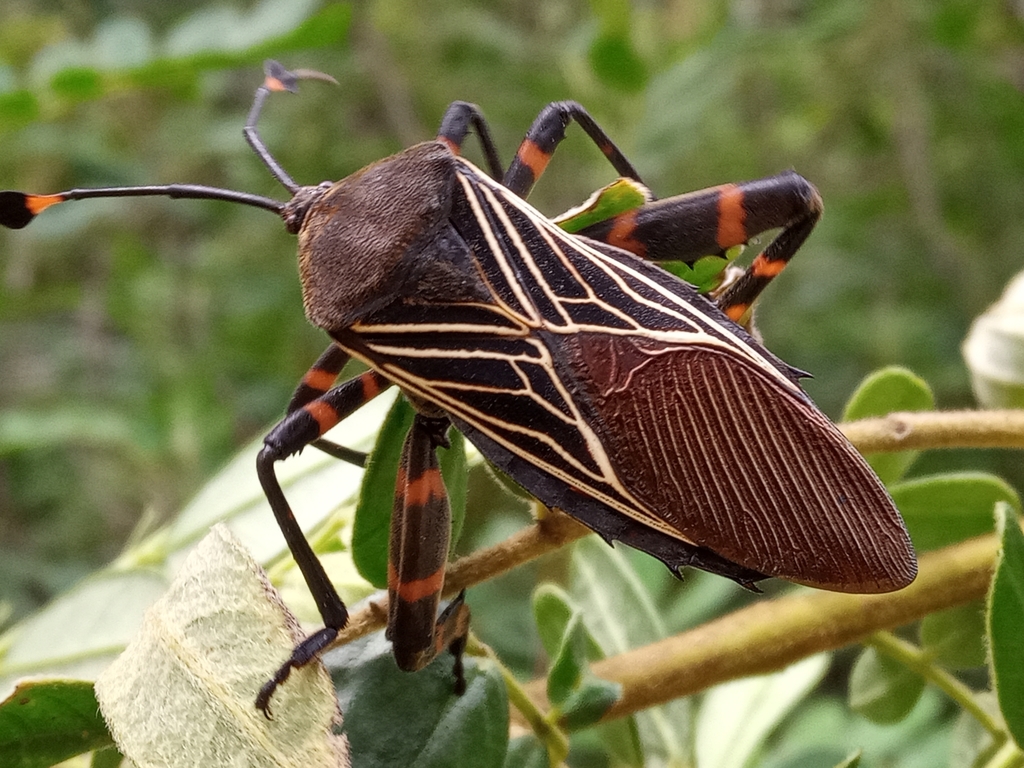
610	389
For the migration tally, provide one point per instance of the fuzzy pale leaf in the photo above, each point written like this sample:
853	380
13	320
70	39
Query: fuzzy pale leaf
183	692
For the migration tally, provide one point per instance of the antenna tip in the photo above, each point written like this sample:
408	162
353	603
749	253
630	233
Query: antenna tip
17	209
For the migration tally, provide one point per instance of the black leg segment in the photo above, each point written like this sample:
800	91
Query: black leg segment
418	554
711	221
455	125
544	136
298	429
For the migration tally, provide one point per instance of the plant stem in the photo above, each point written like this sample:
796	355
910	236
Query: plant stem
937	429
922	663
550	735
771	634
1008	756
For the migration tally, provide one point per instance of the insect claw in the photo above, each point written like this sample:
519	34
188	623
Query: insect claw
280	79
312	74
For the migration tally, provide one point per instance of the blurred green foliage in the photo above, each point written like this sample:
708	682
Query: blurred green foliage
141	342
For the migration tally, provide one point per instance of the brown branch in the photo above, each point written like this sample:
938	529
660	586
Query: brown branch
551	531
896	432
937	429
771	634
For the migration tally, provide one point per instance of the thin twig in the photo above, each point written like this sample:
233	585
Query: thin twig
548	733
921	662
549	533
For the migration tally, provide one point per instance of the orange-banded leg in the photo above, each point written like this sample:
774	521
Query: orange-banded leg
685	227
547	131
304	426
710	221
418	553
318	379
455	125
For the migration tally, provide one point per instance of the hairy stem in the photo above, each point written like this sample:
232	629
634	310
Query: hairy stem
547	732
937	429
922	663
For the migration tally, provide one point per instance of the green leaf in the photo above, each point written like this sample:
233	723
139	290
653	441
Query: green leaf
736	718
107	758
1006	621
183	692
956	636
77	83
944	509
208	38
616	607
222	28
852	761
552	611
620	614
590	700
377	496
570	662
43	722
882	689
618	197
327	27
616	63
706	273
18	108
106	610
621	739
397	718
886	391
28	429
526	752
611	54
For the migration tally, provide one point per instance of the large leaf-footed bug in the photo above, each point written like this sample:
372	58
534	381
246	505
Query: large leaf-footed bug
599	382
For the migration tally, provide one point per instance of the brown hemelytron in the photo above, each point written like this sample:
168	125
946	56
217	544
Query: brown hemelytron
599	382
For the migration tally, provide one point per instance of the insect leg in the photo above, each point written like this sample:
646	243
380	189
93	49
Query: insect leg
420	531
455	126
300	428
544	135
710	221
318	379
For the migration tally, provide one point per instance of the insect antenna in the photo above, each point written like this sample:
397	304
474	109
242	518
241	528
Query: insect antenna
17	209
276	78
